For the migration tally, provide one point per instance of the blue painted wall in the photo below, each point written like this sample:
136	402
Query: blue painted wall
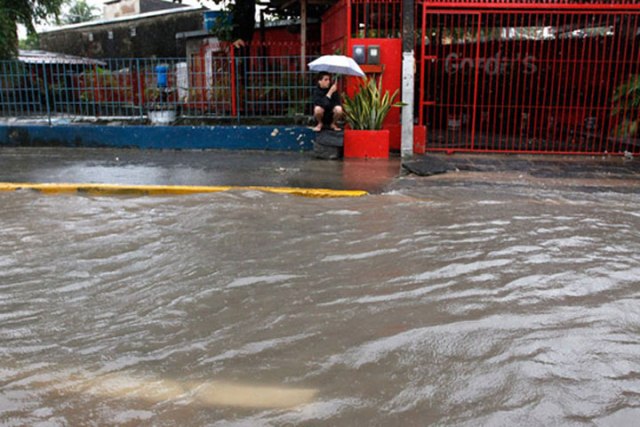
275	138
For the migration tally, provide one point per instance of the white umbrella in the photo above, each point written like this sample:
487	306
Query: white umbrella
336	64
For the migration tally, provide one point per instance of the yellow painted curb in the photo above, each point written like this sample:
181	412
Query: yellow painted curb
117	189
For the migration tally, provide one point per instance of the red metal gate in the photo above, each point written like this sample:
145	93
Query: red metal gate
553	77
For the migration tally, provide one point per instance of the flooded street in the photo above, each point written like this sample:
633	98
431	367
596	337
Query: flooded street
437	304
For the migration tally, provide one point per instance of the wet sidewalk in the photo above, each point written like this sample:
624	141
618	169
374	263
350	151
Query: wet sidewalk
193	168
548	166
589	173
286	169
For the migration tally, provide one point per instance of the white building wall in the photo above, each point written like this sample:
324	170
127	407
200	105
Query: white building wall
117	8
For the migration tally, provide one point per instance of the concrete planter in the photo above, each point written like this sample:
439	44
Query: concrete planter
162	117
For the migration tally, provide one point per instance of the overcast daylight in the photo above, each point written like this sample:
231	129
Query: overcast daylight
334	213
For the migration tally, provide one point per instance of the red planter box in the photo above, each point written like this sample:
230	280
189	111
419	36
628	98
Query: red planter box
366	144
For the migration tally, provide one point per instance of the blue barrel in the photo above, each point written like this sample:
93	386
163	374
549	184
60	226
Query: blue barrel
161	72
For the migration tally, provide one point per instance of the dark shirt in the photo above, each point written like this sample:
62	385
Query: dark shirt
320	99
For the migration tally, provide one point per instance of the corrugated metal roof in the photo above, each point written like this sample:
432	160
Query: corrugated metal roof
124	19
44	57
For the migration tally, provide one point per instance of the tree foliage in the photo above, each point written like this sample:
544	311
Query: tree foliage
25	12
79	12
244	16
626	106
244	19
32	42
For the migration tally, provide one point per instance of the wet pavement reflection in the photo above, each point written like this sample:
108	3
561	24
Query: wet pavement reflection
193	167
436	302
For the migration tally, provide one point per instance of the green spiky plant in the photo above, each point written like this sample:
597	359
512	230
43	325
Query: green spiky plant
627	100
369	106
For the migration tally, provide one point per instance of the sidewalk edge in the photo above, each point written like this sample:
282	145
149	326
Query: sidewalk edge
124	189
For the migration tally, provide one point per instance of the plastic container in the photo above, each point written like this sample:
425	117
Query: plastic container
161	74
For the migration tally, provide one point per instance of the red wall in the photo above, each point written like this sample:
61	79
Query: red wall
391	62
284	41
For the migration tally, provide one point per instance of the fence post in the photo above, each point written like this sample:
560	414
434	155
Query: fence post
3	80
234	94
303	33
141	99
408	78
46	92
237	89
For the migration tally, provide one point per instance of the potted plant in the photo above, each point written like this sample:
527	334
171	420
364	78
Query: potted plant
365	114
160	110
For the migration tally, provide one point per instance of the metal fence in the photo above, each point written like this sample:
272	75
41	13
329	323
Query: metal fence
536	80
207	86
375	18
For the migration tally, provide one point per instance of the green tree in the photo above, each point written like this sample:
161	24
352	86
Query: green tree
244	19
244	16
79	12
31	42
25	12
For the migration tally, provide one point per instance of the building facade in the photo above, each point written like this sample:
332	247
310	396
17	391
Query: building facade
145	35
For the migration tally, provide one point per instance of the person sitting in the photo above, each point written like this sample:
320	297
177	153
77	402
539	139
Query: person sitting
327	107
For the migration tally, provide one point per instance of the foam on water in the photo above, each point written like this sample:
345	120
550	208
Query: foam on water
269	279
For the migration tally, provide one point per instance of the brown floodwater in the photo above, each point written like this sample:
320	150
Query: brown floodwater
447	304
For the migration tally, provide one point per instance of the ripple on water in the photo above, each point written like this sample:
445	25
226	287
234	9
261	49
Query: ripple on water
466	308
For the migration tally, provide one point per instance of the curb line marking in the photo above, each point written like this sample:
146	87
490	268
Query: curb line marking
117	189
